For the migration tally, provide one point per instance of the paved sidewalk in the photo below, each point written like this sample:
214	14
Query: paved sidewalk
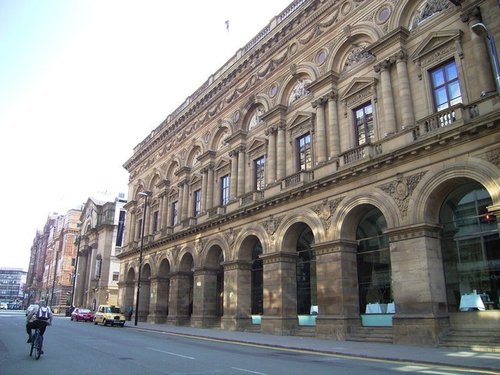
424	355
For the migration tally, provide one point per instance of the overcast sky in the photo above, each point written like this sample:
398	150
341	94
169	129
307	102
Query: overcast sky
82	82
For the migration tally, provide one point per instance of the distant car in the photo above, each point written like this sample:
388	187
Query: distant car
82	314
30	307
3	305
109	314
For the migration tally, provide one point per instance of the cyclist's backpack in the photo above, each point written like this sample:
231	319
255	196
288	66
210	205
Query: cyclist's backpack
43	313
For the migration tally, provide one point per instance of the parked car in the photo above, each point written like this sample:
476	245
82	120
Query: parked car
3	305
86	315
109	314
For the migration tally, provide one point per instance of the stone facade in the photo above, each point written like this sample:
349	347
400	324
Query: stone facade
99	243
316	171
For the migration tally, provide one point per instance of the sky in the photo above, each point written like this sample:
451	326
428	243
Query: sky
82	82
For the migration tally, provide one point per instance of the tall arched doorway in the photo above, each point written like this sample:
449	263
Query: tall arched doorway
257	280
471	249
374	269
306	272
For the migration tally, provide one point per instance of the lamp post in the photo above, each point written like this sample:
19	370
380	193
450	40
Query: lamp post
145	195
481	30
79	238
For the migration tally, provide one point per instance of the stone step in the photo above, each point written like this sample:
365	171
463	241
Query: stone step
472	339
371	334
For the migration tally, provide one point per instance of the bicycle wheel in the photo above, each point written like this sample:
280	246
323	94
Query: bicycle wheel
38	345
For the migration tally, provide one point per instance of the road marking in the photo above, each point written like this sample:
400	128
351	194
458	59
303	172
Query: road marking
252	372
177	355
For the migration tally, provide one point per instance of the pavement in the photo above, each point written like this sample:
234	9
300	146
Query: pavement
468	359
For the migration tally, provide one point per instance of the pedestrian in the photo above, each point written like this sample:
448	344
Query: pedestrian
130	310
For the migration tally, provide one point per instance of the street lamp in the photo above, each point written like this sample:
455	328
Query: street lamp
145	195
481	30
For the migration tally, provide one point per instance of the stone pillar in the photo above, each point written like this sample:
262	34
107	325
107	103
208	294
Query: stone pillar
389	119
210	188
234	174
180	207
271	156
237	295
204	177
421	306
320	131
81	278
280	293
281	156
241	172
179	298
205	298
404	90
185	200
481	59
337	285
153	300
333	126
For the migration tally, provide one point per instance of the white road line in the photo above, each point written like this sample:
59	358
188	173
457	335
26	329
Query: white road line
252	372
177	355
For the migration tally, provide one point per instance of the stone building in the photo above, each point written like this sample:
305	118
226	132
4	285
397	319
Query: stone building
100	241
340	171
59	260
36	268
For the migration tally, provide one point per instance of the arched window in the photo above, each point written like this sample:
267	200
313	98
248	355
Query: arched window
374	263
306	273
471	249
257	280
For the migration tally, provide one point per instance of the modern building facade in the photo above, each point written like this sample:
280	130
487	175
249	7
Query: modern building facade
99	243
12	285
340	171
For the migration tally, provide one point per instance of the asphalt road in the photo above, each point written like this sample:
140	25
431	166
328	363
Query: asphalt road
84	348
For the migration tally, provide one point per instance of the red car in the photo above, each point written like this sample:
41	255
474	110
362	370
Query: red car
82	314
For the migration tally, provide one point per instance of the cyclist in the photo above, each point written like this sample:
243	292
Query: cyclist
39	317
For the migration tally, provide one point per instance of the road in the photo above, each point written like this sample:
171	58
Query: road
84	348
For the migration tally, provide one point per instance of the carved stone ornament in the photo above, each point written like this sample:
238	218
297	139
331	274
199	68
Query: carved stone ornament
401	189
493	157
199	245
426	11
325	211
231	235
272	224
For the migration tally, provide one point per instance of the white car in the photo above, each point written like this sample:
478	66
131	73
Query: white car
3	306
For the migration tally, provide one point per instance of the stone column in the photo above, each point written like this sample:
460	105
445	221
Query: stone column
337	285
237	295
204	177
404	89
185	200
153	301
281	157
418	285
147	224
234	174
180	208
280	293
320	131
210	188
389	119
241	172
205	298
271	156
333	126
179	298
481	59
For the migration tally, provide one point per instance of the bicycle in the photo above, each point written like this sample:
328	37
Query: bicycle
36	344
